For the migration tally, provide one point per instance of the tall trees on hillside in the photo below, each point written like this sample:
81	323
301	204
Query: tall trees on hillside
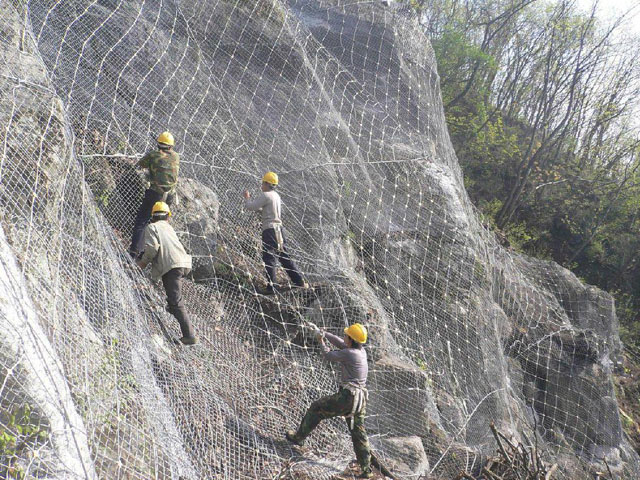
542	102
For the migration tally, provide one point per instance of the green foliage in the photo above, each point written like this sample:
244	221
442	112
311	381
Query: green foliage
457	57
20	432
416	5
103	198
558	182
422	365
347	189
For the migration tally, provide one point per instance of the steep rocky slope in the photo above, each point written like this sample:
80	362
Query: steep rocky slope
341	98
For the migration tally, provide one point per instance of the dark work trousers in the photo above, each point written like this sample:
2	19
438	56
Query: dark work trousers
339	404
172	281
142	219
270	253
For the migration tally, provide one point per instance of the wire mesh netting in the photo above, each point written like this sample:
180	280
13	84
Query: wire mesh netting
340	98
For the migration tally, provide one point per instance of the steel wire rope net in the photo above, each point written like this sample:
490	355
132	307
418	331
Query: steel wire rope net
341	99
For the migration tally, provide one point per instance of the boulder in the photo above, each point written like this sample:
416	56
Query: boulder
400	398
195	219
404	456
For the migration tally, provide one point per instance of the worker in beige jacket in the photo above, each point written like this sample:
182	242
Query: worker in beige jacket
274	249
169	262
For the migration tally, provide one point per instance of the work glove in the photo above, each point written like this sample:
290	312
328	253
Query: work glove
315	331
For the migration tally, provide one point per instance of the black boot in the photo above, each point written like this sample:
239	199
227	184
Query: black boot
293	438
268	290
183	319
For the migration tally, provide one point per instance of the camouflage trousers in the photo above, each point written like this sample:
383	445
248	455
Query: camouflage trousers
337	405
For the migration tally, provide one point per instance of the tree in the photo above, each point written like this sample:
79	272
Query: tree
541	104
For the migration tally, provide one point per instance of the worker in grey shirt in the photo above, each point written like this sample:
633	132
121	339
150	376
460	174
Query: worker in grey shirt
268	202
351	399
169	262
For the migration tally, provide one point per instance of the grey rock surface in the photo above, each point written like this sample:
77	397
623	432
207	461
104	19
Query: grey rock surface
404	456
195	219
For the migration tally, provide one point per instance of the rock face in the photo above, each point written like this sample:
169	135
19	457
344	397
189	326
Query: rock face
195	218
342	100
407	456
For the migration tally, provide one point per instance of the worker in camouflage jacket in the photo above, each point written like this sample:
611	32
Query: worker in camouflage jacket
162	165
351	399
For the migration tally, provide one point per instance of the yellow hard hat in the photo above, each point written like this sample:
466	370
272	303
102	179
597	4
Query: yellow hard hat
160	208
357	332
270	177
166	138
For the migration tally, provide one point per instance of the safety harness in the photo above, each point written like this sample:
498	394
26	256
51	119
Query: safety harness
174	192
279	238
360	398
